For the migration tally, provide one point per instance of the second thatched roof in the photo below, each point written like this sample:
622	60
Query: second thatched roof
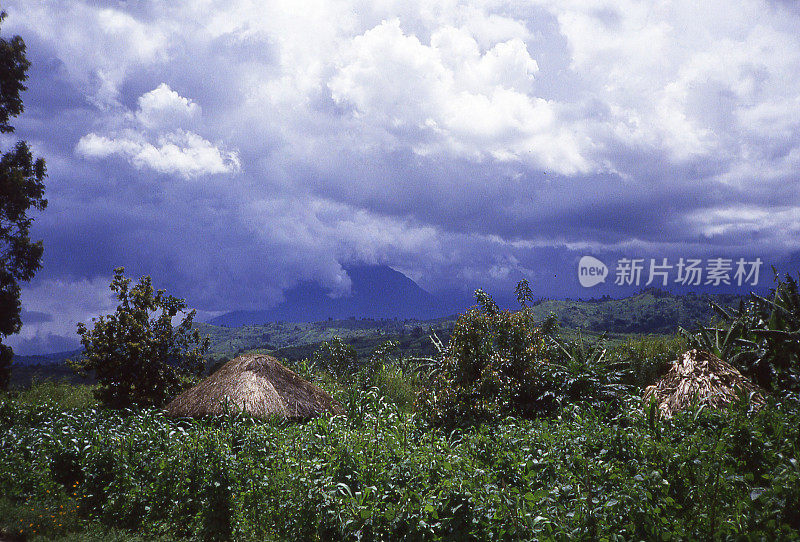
701	377
257	385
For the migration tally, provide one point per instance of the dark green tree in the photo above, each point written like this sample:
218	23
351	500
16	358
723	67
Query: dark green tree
21	188
524	293
137	356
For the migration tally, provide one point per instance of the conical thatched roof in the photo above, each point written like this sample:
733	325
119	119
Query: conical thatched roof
702	377
257	385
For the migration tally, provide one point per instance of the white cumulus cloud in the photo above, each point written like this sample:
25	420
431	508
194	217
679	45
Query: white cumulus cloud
98	46
156	140
177	152
450	96
163	106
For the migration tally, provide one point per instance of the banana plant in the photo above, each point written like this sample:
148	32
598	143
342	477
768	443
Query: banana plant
761	338
582	367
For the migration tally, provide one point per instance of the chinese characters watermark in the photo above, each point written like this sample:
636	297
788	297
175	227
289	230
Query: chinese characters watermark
662	272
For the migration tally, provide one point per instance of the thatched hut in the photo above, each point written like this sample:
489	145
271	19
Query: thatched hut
257	385
702	378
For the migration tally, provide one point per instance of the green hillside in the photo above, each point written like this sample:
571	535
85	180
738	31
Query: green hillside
296	341
649	312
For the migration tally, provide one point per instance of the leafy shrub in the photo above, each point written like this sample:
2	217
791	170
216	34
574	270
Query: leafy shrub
139	359
385	354
585	372
777	337
491	368
499	363
336	357
649	357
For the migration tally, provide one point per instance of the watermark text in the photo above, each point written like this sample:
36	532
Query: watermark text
663	271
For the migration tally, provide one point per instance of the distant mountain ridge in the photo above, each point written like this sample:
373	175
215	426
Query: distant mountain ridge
377	291
649	311
44	359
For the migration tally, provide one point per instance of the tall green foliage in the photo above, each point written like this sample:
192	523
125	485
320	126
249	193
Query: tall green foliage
377	474
21	188
336	357
777	335
490	368
500	363
137	356
761	338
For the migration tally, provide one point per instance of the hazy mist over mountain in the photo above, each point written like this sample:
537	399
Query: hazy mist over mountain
377	291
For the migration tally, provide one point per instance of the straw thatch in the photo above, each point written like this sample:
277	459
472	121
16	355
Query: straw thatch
702	378
257	385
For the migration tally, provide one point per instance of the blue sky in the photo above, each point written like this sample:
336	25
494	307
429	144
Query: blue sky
232	148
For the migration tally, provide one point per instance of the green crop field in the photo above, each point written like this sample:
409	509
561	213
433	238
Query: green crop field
421	452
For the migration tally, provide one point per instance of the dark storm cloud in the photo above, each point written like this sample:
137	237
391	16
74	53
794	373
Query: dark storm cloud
35	317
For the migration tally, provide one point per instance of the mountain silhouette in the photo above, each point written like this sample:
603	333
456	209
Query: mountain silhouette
377	291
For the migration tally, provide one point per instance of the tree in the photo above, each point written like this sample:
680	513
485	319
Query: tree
21	187
137	356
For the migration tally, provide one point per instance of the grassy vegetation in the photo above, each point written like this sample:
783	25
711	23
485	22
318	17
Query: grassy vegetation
62	394
516	432
381	473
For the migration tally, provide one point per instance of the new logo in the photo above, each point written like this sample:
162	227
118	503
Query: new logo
591	271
